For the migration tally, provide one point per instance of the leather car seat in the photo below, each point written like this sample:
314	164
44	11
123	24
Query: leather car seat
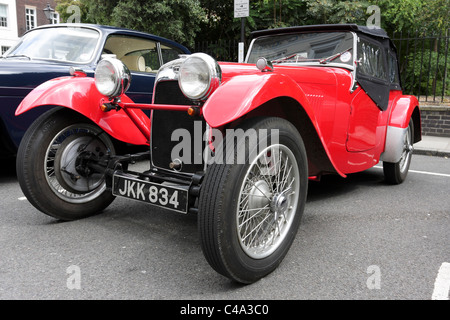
134	63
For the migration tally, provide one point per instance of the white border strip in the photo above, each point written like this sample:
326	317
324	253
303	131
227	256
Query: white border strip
423	172
442	283
431	173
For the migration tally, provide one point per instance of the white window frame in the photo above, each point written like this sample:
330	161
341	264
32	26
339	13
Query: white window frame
7	16
55	17
28	16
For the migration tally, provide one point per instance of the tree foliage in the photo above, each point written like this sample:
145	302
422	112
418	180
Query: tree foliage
67	10
396	16
332	11
425	16
187	21
174	19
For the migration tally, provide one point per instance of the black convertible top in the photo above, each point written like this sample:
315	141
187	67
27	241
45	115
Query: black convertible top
373	32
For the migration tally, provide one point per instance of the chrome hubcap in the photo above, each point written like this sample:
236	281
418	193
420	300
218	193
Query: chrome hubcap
62	184
280	204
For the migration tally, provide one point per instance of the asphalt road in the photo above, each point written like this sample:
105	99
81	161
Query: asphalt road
359	239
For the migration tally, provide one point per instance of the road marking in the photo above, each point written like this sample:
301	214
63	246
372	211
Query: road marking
424	172
442	283
431	173
22	198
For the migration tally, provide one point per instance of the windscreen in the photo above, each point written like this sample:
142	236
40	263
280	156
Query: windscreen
75	45
323	47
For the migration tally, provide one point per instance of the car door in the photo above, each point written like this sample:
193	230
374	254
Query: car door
372	97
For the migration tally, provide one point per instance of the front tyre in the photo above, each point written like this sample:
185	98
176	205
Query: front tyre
52	168
249	213
395	173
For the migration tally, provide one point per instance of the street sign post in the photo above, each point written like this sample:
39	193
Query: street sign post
241	52
241	10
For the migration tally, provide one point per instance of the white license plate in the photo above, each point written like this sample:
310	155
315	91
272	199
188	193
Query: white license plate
159	195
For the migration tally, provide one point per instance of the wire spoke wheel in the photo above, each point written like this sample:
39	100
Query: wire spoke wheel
268	201
249	213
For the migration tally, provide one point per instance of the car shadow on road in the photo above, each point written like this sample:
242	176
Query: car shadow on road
8	169
335	185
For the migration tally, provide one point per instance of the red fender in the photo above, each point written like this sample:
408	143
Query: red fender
402	110
242	94
80	94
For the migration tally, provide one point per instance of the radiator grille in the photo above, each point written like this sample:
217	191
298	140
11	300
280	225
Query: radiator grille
188	130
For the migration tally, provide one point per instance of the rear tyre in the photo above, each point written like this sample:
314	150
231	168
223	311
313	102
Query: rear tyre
395	173
249	213
50	166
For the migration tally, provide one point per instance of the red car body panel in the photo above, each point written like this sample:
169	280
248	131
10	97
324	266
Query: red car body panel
402	109
245	88
241	94
80	94
350	126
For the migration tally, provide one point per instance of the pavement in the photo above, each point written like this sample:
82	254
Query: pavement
433	146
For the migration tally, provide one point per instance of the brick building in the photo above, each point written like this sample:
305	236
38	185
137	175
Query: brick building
19	16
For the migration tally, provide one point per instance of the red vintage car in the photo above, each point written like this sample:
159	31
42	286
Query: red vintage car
233	143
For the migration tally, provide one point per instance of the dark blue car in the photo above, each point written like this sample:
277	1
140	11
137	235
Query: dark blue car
50	51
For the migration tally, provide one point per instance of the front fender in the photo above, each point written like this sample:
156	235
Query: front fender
81	95
242	94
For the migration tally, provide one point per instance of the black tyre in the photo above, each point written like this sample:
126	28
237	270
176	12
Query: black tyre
249	213
49	170
395	173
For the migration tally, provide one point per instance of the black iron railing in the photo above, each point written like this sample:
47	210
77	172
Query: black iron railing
424	64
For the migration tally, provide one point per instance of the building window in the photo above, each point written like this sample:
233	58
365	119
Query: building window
55	18
30	18
4	49
3	15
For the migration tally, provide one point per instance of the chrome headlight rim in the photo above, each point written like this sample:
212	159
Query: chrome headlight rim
211	80
119	77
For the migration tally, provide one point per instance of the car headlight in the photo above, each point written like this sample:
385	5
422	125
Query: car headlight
112	77
199	76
